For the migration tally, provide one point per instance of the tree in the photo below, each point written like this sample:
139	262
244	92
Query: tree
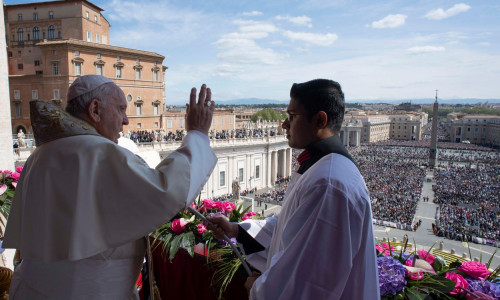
268	114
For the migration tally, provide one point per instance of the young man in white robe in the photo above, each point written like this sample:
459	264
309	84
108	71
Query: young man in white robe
321	246
84	204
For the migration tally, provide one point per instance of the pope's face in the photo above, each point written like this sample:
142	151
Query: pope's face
114	115
299	129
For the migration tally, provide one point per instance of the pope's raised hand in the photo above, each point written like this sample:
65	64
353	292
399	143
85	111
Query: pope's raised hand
199	114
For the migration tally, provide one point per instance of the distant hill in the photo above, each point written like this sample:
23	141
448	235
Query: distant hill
250	101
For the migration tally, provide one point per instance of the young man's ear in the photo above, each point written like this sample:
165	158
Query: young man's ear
94	110
321	119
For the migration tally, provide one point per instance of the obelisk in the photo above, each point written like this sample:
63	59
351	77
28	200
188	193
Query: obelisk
433	146
6	150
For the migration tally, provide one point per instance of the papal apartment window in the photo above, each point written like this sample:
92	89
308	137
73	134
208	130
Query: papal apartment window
156	124
137	61
118	72
129	98
213	121
20	35
181	123
118	58
52	32
98	69
54	52
59	35
77	53
155	109
155	75
17	94
55	68
138	109
137	74
240	174
10	53
95	18
51	15
222	178
97	38
36	33
89	37
44	36
19	17
78	68
17	107
20	66
139	125
37	62
257	171
35	16
98	55
86	15
56	94
169	123
34	94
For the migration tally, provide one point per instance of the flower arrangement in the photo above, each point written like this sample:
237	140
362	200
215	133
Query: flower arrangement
8	183
187	231
410	274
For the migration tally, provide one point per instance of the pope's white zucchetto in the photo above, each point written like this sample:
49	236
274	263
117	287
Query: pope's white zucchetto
85	84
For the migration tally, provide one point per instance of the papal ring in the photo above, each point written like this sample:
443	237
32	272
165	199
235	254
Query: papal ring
208	103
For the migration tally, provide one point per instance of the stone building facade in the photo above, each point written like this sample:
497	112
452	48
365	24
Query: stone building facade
476	129
51	43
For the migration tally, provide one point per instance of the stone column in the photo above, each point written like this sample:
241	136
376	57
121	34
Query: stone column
288	154
6	150
346	137
268	168
274	166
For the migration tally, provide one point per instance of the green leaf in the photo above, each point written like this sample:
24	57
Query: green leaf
439	264
413	294
188	242
174	246
455	264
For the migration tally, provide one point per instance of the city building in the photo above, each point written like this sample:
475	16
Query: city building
476	129
51	43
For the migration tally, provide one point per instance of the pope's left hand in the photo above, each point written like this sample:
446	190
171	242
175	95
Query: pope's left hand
250	281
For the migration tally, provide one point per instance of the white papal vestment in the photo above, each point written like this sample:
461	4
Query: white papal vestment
82	207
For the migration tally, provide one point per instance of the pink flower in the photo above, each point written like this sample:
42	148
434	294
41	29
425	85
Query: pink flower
193	205
209	204
384	248
19	169
228	206
248	215
409	263
422	254
3	188
461	283
14	184
15	176
6	174
178	225
413	275
201	228
474	269
219	206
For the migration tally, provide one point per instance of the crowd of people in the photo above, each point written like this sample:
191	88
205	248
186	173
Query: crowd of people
275	196
144	136
242	133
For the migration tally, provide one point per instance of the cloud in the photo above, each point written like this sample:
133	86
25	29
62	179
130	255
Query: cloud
484	44
300	21
312	38
439	14
252	13
425	49
255	26
391	21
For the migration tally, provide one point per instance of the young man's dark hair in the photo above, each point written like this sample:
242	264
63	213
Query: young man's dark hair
321	95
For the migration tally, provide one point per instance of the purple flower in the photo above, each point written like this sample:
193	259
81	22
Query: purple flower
484	286
391	274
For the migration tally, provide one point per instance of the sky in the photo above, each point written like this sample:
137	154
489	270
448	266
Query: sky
380	50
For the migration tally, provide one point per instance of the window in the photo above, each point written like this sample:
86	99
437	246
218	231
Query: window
118	58
182	123
222	178
19	66
139	125
51	15
44	36
89	37
231	120
55	68
39	72
169	123
77	53
97	38
17	94
137	61
257	171
78	68
56	93
137	74
35	16
86	15
222	121
129	98
118	72
27	36
36	33
98	69
98	55
19	17
10	53
51	32
155	75
37	62
17	108
156	124
20	35
95	18
155	109
59	35
213	121
138	109
240	174
54	52
34	94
